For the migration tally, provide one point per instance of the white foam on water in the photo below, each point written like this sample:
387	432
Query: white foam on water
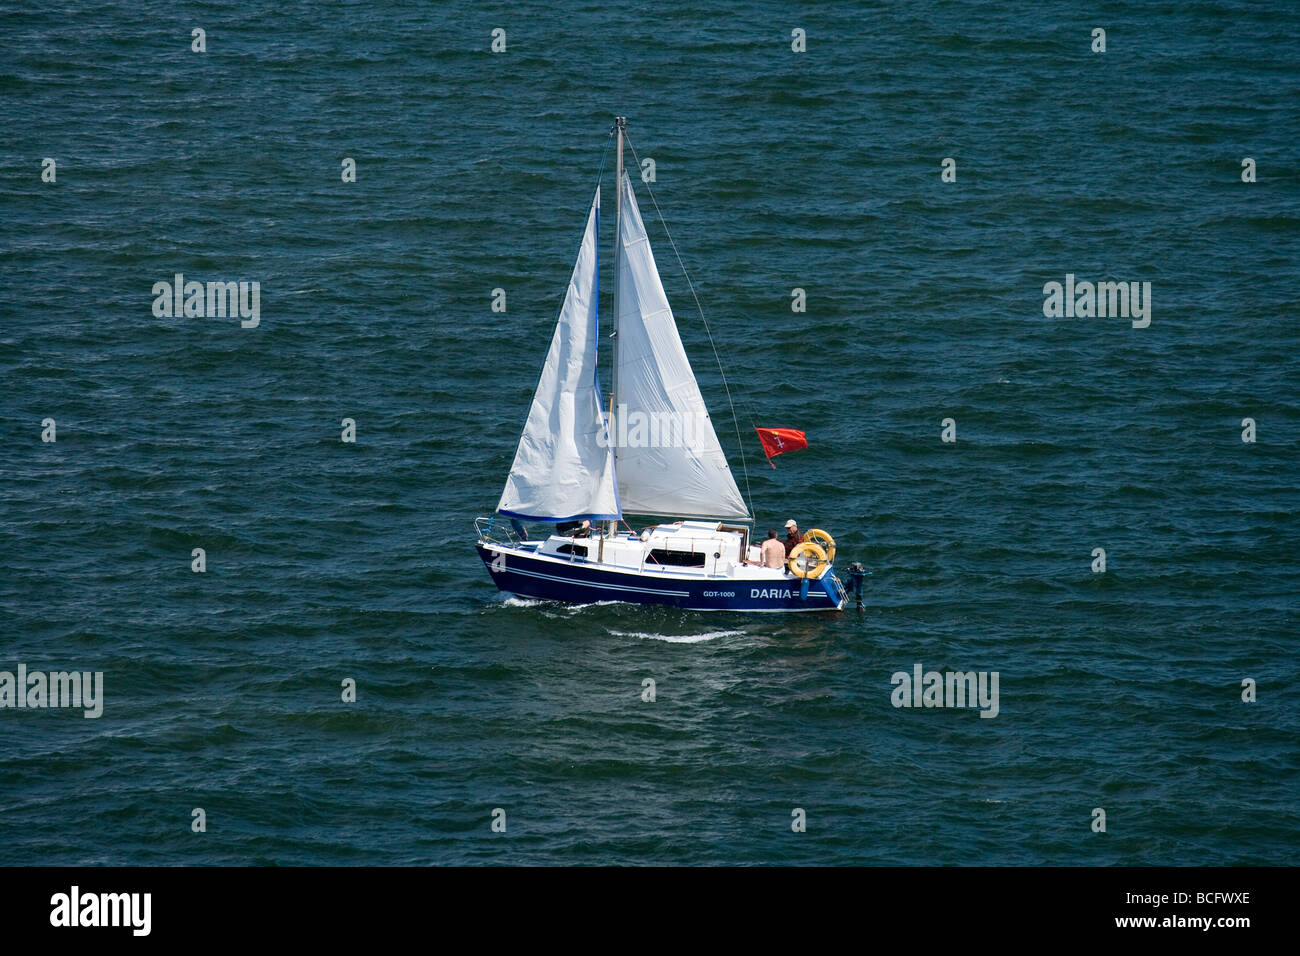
551	608
564	609
677	638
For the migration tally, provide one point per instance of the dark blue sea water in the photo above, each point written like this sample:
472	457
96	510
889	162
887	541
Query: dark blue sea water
775	170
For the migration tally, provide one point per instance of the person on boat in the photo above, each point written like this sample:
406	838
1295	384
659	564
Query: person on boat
792	536
574	529
773	552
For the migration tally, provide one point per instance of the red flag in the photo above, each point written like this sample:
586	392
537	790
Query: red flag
778	441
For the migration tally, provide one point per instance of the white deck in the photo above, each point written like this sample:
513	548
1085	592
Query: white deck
714	549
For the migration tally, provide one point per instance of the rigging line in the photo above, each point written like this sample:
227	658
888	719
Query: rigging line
744	464
600	173
746	404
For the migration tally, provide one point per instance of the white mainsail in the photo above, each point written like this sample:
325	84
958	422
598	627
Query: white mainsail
685	474
564	465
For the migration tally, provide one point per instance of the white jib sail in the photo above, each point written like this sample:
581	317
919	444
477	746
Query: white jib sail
564	466
669	459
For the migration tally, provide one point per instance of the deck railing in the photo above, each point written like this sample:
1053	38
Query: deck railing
489	528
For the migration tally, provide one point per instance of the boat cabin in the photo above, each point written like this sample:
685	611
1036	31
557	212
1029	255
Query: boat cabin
708	547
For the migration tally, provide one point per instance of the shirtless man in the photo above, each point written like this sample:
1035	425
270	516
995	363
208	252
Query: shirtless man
773	552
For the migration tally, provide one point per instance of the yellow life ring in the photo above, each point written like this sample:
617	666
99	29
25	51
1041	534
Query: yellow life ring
818	536
799	556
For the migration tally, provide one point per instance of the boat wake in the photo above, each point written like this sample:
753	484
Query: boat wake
677	638
557	608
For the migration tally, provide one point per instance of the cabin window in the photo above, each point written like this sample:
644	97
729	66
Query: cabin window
579	549
677	559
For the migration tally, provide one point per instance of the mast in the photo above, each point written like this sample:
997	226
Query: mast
620	126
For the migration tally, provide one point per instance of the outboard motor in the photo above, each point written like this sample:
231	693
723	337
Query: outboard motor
856	575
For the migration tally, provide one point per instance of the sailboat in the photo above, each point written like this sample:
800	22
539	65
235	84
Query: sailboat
652	451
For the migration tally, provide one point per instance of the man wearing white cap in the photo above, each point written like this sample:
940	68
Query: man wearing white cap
792	536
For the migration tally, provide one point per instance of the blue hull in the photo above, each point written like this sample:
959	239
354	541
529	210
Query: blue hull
581	582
